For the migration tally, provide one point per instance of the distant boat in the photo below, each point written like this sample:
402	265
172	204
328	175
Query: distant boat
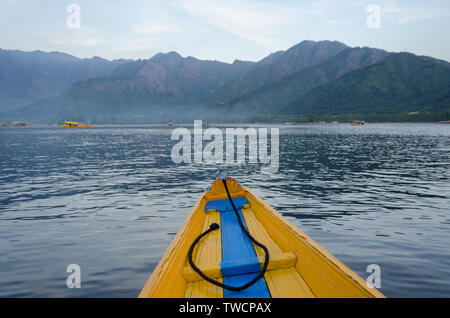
444	122
290	123
170	124
20	124
73	124
358	123
205	124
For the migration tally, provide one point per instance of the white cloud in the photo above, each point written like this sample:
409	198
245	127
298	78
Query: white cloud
129	48
74	41
257	23
156	28
263	22
410	13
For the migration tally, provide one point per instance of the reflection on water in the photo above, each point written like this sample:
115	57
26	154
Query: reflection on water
111	200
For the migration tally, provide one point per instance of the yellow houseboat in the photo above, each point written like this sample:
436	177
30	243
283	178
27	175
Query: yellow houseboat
72	124
233	245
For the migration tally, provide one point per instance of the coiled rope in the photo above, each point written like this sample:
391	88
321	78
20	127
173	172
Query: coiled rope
215	226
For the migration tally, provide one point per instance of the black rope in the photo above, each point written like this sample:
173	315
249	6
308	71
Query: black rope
215	226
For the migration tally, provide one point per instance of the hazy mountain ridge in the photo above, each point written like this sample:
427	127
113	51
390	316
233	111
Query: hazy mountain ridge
166	79
28	76
276	95
402	82
170	79
275	66
323	77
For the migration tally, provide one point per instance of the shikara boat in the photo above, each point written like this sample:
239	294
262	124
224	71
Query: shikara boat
224	246
20	124
73	124
358	123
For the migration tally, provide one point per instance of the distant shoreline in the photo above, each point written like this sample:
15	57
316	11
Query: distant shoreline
187	124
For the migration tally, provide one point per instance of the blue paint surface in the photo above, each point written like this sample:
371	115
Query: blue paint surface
225	205
239	261
240	266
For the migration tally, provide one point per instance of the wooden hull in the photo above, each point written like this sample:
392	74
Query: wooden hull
298	266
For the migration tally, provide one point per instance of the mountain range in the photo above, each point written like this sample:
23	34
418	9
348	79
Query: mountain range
325	77
29	76
401	82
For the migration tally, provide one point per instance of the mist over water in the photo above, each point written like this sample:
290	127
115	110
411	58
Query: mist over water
110	199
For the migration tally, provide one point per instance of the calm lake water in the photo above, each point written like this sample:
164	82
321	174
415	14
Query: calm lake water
110	199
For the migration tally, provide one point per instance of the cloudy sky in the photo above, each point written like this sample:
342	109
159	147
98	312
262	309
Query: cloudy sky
222	30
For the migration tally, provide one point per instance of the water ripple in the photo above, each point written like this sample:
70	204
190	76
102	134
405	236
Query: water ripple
111	200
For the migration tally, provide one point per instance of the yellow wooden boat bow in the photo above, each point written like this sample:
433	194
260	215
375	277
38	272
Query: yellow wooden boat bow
297	266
